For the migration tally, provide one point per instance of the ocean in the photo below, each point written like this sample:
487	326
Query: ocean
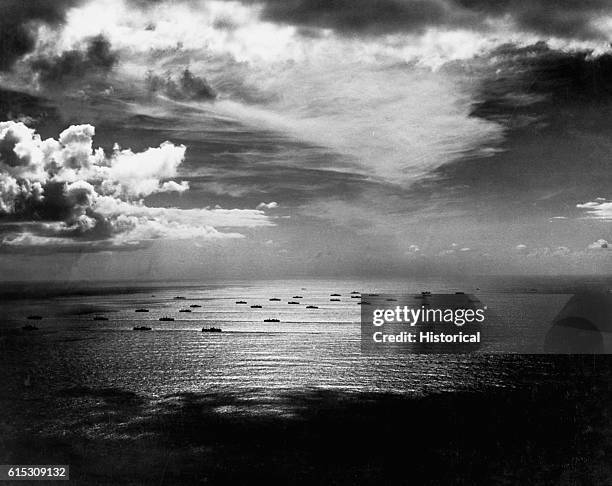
307	348
265	401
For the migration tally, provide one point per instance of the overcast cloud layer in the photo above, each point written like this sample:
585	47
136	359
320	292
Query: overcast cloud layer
565	18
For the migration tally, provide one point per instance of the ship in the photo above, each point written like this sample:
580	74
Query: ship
271	320
142	328
166	318
212	329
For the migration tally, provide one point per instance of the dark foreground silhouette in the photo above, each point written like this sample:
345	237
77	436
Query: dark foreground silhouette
556	432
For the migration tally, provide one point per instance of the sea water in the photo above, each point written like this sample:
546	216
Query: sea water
308	348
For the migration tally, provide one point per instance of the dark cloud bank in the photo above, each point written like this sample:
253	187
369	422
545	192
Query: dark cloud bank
17	36
557	110
533	79
564	18
96	57
18	23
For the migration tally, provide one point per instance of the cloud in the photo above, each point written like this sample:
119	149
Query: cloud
598	209
18	21
350	16
37	245
599	244
139	174
567	19
339	93
218	217
227	189
522	84
172	186
63	193
270	205
186	86
75	64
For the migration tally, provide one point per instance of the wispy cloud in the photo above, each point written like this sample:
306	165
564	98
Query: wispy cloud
599	209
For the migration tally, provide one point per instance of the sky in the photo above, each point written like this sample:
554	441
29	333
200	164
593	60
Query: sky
213	139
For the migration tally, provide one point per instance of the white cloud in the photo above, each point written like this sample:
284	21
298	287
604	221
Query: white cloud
381	101
270	205
21	152
342	93
139	174
233	190
599	244
172	186
93	201
12	191
219	217
599	209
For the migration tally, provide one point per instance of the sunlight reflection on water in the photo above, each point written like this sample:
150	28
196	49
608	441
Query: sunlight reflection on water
308	348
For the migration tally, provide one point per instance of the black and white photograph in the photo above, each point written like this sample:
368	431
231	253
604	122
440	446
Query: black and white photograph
306	242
